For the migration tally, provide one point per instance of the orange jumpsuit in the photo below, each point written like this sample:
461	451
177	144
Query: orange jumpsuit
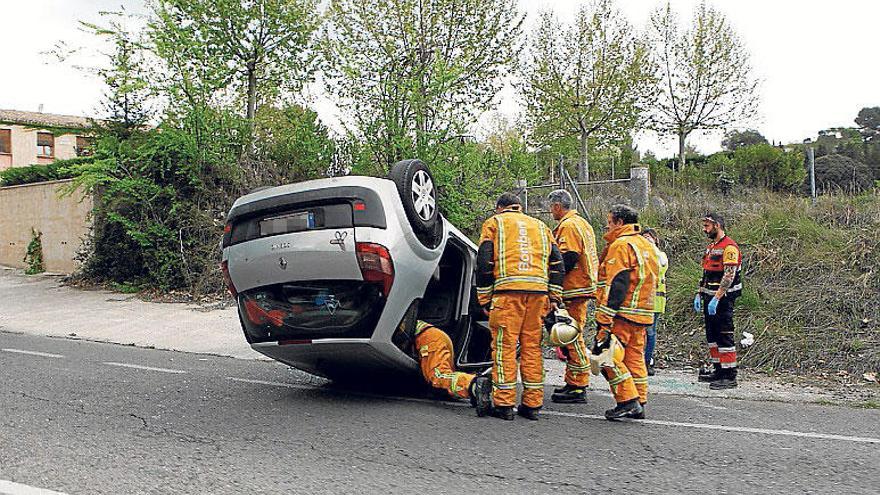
575	235
436	359
518	265
628	274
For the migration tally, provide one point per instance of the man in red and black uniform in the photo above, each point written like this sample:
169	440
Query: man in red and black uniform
720	286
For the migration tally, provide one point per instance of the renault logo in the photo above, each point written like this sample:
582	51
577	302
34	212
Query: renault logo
282	263
339	239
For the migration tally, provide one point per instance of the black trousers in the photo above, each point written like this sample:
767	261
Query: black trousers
720	335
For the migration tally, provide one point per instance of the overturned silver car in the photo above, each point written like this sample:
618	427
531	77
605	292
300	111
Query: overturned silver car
328	274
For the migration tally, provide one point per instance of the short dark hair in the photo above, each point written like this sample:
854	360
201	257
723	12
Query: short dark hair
714	217
507	199
624	213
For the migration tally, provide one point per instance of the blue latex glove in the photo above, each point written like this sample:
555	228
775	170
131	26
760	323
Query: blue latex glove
713	306
698	304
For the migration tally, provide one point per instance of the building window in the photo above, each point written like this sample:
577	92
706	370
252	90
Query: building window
45	145
85	146
5	141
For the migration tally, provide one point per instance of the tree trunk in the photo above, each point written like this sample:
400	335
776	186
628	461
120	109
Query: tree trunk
584	159
682	156
251	93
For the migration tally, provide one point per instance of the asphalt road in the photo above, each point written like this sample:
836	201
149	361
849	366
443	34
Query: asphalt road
81	417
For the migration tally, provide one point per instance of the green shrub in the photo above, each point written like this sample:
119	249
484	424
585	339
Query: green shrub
839	173
60	169
34	255
161	196
766	166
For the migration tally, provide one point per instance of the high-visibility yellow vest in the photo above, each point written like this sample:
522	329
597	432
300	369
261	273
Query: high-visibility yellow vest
660	294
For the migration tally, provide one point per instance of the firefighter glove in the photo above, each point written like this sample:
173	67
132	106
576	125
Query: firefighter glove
713	306
698	304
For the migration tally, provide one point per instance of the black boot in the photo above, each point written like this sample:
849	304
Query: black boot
726	380
638	414
481	395
651	371
504	412
626	409
530	413
569	394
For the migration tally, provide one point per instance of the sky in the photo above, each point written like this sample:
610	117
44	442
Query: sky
816	60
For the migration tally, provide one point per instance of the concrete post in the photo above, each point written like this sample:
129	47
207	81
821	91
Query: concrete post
639	187
523	193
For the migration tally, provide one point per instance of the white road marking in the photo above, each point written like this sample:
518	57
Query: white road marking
147	368
33	353
655	422
11	488
740	429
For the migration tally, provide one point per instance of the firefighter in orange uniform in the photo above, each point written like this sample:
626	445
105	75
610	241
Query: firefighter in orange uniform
436	358
577	243
518	265
629	270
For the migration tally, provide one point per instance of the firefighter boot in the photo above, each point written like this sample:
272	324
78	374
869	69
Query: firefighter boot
569	394
504	412
481	395
638	414
530	413
626	409
723	384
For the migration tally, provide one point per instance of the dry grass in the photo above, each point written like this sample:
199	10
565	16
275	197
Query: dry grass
812	277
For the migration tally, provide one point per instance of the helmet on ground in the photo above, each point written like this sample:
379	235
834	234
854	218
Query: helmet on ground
560	328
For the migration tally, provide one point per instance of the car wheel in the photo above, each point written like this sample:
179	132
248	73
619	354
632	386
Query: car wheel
418	193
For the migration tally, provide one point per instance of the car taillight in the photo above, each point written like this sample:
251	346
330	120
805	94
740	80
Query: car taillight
224	267
259	316
227	235
376	265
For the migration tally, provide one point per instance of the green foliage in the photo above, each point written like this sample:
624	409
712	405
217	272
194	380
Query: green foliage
590	77
704	74
57	170
125	76
810	276
258	48
291	145
408	89
839	173
735	139
471	176
868	121
160	199
34	255
766	166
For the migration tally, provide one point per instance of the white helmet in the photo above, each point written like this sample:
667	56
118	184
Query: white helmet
603	354
560	328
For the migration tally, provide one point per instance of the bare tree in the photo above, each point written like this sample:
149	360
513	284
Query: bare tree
704	74
589	78
411	74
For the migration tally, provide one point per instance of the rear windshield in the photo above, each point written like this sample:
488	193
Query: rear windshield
332	216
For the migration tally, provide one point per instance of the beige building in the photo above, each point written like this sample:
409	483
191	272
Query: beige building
33	138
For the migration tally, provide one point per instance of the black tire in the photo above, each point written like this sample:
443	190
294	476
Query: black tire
420	199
